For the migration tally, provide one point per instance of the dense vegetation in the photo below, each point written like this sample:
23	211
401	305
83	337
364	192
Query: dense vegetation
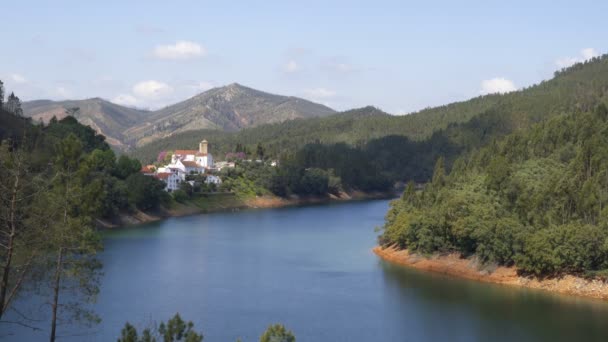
536	199
406	148
57	180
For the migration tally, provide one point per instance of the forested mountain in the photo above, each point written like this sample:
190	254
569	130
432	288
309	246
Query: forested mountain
228	108
406	147
535	199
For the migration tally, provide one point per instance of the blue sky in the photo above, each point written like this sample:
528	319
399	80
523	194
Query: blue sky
400	56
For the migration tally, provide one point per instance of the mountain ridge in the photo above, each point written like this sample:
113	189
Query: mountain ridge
228	108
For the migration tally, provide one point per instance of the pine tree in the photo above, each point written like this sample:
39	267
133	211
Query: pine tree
439	173
13	105
1	94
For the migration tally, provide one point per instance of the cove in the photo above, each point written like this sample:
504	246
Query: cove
312	269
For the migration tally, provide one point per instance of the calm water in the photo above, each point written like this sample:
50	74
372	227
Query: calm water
311	269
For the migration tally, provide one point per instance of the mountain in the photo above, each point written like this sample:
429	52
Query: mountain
228	108
105	117
446	130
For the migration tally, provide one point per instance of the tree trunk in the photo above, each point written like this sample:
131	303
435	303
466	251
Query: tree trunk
9	248
56	293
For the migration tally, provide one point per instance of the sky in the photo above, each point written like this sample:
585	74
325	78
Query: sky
400	56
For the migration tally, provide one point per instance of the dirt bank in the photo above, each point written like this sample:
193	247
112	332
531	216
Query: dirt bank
277	202
230	202
470	268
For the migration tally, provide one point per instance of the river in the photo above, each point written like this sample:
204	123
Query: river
312	269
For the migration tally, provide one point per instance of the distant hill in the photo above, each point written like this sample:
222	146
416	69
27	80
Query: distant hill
451	128
348	126
228	108
105	117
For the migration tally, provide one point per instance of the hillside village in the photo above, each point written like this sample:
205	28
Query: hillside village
187	162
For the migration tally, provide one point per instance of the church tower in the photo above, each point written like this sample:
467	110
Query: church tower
202	147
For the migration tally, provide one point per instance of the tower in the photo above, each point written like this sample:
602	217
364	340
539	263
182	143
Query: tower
202	147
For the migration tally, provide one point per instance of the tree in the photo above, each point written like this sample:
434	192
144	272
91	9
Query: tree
260	151
145	192
13	105
19	233
277	333
1	94
439	173
601	111
175	330
71	239
126	166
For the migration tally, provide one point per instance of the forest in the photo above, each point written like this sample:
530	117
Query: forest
535	199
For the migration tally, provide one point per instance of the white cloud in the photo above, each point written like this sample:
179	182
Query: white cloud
125	100
589	53
291	67
152	89
63	92
320	93
585	55
18	78
497	85
180	50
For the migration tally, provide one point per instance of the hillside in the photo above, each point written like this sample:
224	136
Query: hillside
447	130
536	199
105	117
228	108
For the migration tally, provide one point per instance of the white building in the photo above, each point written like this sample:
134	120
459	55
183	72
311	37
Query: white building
185	162
202	157
172	179
223	164
212	179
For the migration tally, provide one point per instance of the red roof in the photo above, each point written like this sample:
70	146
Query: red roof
163	175
189	163
147	169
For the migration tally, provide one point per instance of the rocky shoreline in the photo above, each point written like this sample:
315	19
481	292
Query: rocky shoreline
470	268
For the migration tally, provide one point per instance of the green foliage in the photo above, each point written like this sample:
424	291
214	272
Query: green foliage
277	333
145	192
175	330
180	196
126	166
536	198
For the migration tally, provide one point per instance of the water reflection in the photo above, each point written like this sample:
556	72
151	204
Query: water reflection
500	313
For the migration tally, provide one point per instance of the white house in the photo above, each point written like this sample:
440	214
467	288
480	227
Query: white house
212	179
172	179
192	166
223	164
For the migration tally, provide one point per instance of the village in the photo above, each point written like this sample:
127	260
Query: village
186	163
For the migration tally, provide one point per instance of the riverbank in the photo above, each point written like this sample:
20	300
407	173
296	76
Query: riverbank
222	202
470	268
